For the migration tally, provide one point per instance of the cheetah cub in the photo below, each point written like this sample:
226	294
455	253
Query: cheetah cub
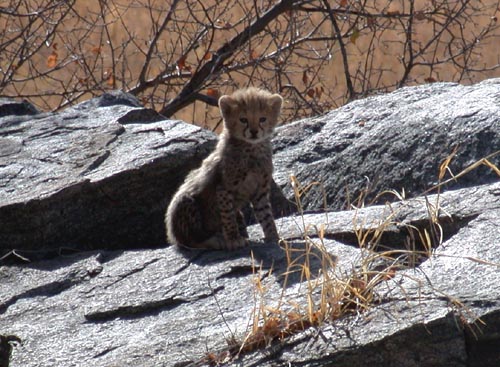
206	210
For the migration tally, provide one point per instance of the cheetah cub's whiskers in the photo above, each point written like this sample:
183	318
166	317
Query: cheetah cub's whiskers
206	210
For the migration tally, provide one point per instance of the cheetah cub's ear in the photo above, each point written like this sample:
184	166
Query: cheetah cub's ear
275	103
228	106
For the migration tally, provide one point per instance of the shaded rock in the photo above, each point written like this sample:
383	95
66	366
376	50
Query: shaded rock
112	98
6	343
393	141
9	107
166	308
140	115
80	179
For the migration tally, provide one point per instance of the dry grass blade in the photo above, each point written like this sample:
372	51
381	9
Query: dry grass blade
325	295
484	161
444	166
471	258
14	253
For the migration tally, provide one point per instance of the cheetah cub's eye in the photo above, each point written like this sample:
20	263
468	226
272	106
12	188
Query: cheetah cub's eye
262	120
244	120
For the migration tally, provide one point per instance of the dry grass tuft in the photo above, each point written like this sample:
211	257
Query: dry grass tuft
327	295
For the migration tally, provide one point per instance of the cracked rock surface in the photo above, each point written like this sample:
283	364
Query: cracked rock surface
82	197
392	141
445	312
164	307
81	179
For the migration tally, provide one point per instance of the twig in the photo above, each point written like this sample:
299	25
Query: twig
350	89
188	93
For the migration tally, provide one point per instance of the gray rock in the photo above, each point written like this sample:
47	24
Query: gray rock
135	116
393	141
446	312
113	98
9	107
80	179
100	174
98	177
166	308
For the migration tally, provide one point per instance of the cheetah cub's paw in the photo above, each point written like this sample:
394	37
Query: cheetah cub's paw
236	243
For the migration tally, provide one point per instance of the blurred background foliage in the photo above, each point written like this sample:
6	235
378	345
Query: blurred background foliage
178	57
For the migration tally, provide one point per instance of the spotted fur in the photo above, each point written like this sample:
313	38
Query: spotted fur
206	210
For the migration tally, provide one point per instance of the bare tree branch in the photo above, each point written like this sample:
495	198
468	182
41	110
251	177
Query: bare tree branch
177	57
187	94
152	47
350	89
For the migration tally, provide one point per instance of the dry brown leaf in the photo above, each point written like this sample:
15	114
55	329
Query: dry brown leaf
371	22
212	92
111	80
319	91
355	35
253	55
52	60
420	15
181	63
305	79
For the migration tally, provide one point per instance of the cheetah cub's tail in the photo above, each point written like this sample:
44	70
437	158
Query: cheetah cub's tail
217	242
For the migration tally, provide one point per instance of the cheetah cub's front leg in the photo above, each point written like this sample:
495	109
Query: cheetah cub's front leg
229	220
262	209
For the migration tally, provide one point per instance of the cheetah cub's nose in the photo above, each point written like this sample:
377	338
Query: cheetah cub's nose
254	133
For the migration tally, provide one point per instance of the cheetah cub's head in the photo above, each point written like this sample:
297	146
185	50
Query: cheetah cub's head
250	114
